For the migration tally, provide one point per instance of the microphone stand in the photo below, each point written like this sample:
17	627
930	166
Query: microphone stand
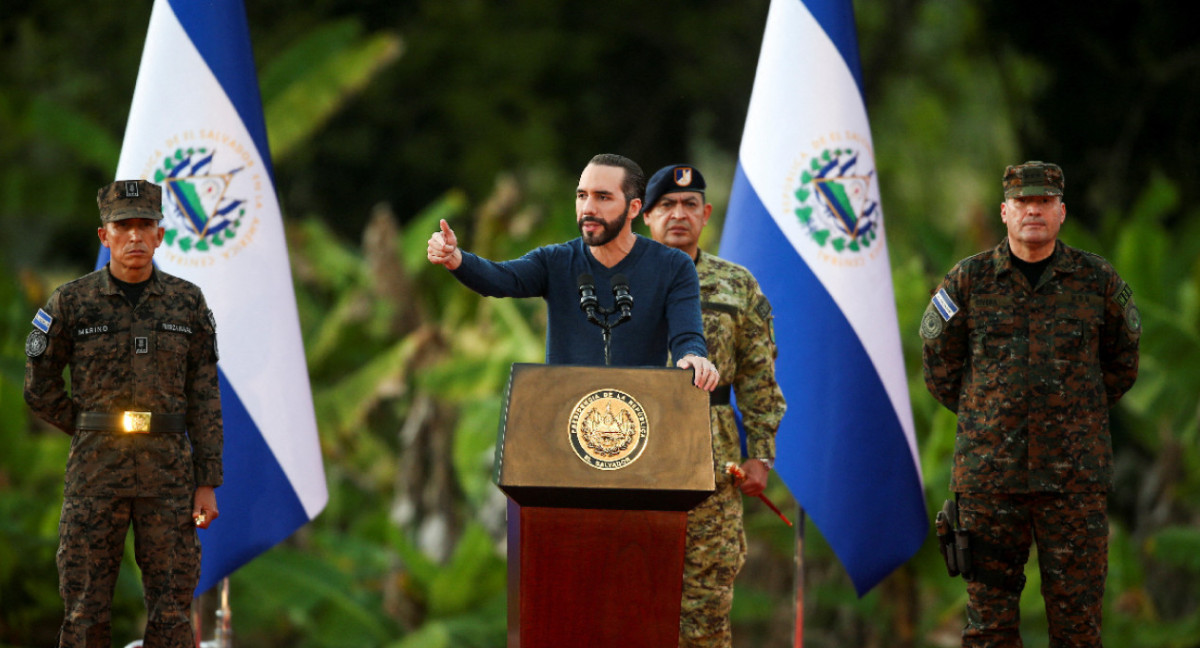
607	342
606	327
623	306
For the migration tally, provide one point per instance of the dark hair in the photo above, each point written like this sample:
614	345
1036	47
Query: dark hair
634	184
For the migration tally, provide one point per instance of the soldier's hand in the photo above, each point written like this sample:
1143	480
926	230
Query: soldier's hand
204	506
443	248
756	477
705	374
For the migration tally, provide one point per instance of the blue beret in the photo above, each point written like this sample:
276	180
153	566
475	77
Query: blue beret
672	179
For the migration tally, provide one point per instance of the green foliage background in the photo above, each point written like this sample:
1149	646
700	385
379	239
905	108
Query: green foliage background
386	116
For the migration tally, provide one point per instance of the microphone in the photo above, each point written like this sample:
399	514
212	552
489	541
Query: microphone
621	296
587	297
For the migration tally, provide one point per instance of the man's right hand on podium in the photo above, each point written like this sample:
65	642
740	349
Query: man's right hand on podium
705	374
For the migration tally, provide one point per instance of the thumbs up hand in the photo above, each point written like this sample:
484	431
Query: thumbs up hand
443	248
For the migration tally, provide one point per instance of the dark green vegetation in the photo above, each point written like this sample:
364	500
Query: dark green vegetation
386	116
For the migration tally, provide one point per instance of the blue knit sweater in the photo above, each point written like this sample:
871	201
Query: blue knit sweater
662	280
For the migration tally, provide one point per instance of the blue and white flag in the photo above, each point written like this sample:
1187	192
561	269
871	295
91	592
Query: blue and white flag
804	217
196	127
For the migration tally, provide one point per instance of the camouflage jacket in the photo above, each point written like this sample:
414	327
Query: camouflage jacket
1031	371
159	356
741	343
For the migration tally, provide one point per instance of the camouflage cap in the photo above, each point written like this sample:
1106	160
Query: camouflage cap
1033	179
129	199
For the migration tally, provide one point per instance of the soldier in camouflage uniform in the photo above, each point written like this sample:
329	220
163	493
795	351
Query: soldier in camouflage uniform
1031	343
139	341
741	343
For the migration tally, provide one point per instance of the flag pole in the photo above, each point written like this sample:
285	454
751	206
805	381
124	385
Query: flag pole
224	630
798	597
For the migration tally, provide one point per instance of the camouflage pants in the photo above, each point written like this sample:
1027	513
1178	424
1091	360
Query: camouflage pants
716	550
91	543
1071	531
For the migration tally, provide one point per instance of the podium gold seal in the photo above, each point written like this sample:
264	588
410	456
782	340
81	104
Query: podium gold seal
608	429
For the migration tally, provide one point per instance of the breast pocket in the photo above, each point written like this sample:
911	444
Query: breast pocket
1076	324
101	345
720	327
171	359
100	354
993	328
1070	337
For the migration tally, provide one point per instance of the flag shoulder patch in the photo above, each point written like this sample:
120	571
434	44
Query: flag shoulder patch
944	304
43	321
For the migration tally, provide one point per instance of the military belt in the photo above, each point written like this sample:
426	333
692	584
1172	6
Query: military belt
132	422
719	396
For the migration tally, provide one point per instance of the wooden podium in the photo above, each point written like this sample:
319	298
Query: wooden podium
600	465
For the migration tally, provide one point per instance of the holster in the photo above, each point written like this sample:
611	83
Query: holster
954	542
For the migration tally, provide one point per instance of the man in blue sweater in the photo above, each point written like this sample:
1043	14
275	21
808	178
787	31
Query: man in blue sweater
662	280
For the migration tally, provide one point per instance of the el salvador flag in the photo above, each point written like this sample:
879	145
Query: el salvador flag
196	127
804	217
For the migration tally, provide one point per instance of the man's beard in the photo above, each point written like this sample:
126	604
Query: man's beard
610	231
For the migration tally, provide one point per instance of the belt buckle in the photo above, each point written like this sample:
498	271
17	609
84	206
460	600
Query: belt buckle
136	422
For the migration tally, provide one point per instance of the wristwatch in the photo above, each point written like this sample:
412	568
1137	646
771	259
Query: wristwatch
769	463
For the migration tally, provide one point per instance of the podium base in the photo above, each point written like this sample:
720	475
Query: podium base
595	578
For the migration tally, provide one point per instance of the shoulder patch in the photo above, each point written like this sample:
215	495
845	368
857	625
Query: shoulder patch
1133	319
212	321
944	304
1123	295
43	321
763	307
35	343
932	323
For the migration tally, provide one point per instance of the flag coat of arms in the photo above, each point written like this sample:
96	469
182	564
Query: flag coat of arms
805	217
196	127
